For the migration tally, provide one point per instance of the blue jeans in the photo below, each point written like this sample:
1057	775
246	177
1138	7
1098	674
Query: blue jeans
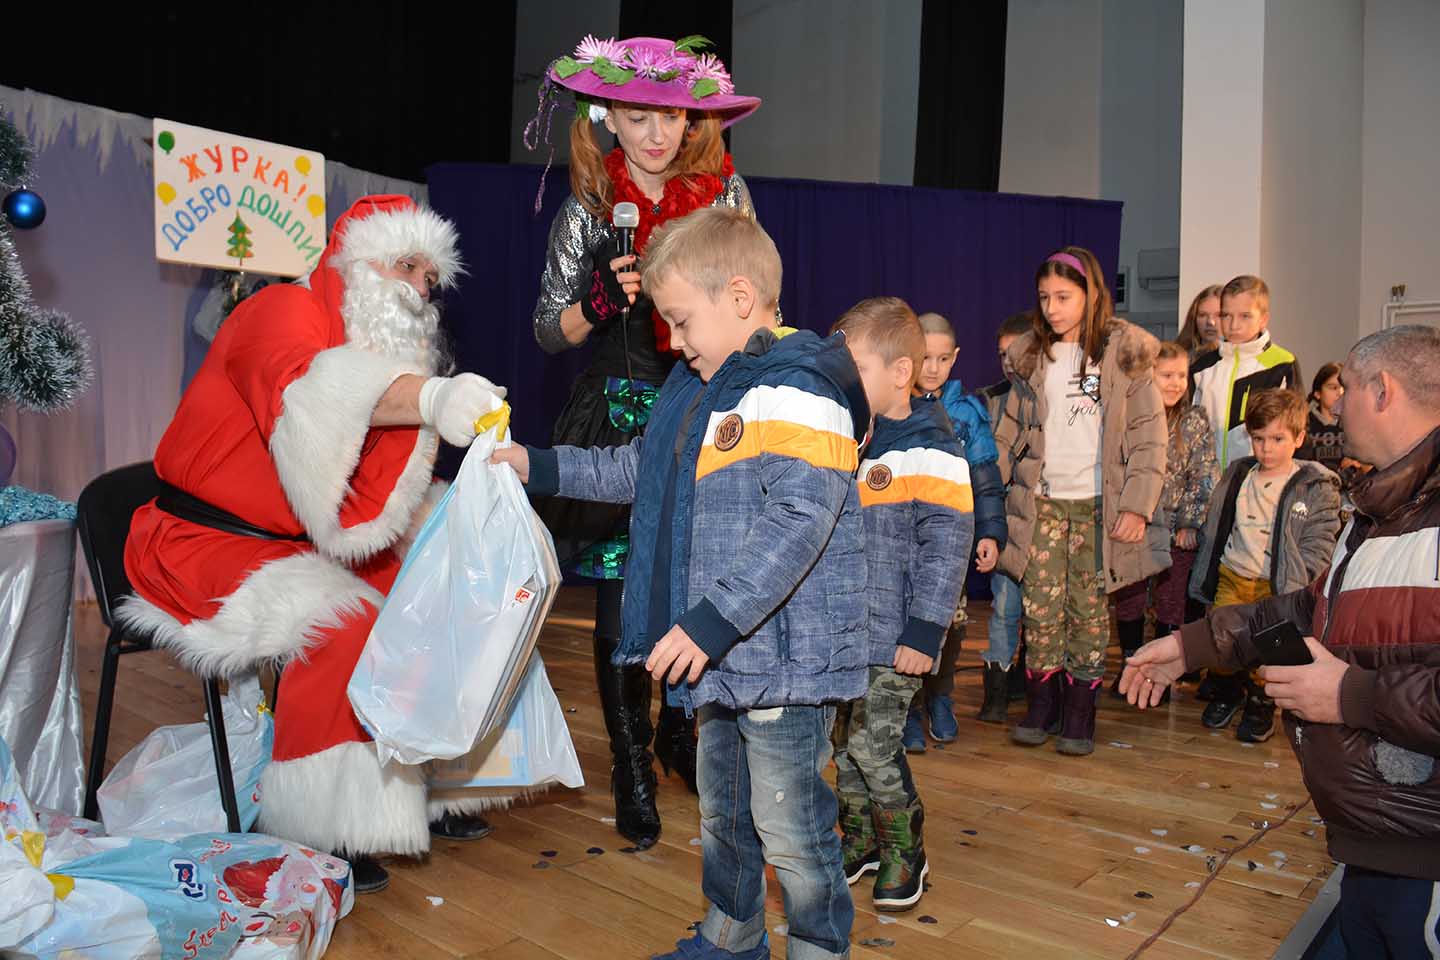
1382	915
1005	612
762	798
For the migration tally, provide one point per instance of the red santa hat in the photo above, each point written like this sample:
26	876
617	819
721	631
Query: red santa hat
387	227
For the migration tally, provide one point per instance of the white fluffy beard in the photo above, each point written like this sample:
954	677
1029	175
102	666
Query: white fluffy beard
388	316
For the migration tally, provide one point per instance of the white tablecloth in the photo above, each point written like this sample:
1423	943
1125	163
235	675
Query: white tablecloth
40	714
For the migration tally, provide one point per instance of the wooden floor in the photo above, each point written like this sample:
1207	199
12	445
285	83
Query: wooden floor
1032	854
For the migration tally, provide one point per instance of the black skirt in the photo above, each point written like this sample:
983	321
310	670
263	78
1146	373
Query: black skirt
595	416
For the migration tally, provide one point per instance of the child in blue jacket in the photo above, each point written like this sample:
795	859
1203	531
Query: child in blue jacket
972	429
746	581
914	490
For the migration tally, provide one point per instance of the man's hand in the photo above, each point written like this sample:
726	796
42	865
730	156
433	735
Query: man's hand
1187	538
911	662
452	405
676	658
1311	692
1129	528
517	457
1153	668
987	551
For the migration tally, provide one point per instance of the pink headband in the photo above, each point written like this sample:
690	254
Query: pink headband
1071	261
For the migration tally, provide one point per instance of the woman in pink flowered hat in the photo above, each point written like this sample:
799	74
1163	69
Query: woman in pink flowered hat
664	104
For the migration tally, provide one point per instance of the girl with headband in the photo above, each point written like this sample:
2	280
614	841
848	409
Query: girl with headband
1084	435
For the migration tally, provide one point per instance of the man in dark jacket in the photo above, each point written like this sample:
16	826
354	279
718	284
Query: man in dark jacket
1364	717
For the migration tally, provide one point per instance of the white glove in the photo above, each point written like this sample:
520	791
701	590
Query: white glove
452	405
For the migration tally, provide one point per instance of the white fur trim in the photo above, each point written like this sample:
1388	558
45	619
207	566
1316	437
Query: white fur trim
275	614
422	513
468	800
341	799
388	235
316	447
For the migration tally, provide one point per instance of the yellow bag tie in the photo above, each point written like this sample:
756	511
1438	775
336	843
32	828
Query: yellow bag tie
499	419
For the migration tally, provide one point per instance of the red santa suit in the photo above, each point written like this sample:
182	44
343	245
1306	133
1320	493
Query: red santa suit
275	430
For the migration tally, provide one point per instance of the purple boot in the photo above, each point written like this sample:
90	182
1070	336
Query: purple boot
1042	718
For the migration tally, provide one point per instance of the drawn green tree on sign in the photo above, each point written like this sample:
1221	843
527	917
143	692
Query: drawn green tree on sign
240	241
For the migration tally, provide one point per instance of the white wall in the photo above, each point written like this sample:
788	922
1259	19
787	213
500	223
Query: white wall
1311	175
1221	139
840	84
1401	150
1050	144
544	30
1142	48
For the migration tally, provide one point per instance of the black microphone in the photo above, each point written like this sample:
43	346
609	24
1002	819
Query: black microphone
625	217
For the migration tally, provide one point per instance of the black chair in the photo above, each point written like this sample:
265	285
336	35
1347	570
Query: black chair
103	517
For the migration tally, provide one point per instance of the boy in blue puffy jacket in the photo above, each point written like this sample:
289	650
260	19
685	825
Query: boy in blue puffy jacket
745	587
973	430
915	492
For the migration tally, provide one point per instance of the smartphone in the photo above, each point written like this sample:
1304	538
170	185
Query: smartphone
1280	645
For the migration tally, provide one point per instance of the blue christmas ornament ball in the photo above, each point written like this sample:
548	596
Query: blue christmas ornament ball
24	209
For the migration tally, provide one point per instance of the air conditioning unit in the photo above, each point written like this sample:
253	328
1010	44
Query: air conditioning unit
1158	270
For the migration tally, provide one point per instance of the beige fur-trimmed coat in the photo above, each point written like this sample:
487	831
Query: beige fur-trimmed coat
1133	442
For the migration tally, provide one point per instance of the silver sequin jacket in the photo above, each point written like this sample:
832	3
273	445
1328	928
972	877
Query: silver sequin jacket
575	237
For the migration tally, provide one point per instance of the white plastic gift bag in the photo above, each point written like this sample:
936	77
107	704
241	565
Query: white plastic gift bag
166	787
532	751
448	650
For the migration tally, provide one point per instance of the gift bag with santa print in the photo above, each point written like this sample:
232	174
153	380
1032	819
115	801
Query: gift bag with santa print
450	646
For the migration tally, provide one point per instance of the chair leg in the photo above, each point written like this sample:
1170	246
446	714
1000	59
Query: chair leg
100	739
215	718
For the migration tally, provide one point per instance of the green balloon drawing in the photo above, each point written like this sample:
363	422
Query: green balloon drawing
166	141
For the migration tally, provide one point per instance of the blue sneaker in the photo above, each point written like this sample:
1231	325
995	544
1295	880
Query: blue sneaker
698	948
913	737
942	720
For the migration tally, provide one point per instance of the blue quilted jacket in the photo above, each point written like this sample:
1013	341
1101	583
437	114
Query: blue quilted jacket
914	487
763	555
973	429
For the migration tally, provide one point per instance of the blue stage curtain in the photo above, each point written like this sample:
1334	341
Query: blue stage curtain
970	256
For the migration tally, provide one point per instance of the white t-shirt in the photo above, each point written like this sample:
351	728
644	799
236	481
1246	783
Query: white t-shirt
1071	470
1247	552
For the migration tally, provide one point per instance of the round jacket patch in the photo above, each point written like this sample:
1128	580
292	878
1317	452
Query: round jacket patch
878	477
729	432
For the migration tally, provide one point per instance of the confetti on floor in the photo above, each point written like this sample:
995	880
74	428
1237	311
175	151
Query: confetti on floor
1139	894
1263	804
548	853
1248	746
545	864
1141	849
1157	831
1122	745
1202	784
595	851
884	919
1108	920
609	820
1272	764
1272	796
1192	847
976	833
696	841
877	942
1251	864
1191	884
783	930
927	918
435	901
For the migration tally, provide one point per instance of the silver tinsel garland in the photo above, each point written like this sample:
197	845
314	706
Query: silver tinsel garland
45	359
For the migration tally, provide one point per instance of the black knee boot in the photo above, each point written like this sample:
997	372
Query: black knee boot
675	744
625	697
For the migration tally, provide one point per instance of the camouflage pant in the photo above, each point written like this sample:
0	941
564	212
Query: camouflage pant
869	760
1067	622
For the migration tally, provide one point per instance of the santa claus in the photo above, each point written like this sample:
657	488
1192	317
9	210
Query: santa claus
297	466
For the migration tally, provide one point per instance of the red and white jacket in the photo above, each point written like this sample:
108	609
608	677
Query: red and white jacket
1373	776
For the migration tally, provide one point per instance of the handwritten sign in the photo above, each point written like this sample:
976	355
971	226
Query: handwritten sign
235	203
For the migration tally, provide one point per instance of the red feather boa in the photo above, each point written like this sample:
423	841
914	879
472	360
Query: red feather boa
682	195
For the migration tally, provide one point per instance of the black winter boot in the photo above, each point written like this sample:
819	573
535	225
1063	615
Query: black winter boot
997	693
625	697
